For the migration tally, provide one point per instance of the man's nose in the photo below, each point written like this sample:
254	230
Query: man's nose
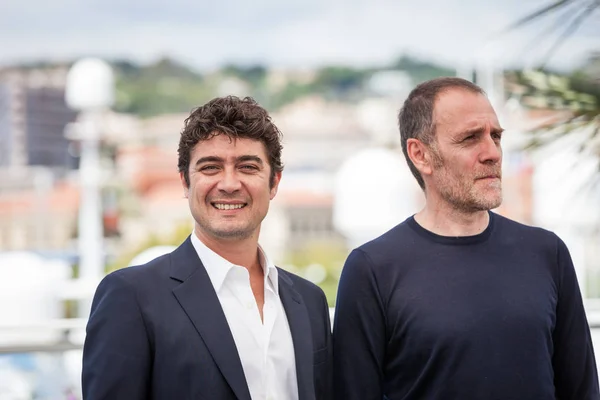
491	150
229	181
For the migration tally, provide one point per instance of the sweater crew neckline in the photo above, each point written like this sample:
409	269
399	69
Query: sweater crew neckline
453	240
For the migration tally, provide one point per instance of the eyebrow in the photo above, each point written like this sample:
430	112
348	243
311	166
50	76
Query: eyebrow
239	159
479	129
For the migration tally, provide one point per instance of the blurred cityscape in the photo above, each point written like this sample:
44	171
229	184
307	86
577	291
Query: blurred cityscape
345	180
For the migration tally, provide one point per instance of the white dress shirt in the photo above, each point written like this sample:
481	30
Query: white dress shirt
266	349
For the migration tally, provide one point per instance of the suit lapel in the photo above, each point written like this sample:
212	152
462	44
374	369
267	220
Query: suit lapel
197	297
297	316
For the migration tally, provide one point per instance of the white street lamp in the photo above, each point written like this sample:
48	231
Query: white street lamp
90	90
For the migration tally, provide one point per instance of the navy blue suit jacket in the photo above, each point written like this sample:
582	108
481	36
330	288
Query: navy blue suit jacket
158	331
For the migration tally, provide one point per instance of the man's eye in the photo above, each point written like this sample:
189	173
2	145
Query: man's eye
249	167
209	168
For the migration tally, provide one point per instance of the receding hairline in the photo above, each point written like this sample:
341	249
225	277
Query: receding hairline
458	88
450	89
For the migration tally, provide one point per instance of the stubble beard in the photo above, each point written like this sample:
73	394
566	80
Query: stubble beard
461	191
229	234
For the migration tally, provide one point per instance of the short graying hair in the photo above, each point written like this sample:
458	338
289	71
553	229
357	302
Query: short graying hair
415	118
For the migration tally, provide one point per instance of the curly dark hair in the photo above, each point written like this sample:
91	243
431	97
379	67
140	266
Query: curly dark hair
415	119
236	118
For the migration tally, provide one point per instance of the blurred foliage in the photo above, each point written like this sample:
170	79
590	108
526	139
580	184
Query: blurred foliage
575	97
566	17
163	87
592	283
340	81
318	262
167	86
255	74
288	94
421	71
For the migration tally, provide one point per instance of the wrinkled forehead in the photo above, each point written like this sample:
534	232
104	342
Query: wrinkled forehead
461	109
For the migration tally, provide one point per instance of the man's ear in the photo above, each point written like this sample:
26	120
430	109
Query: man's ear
186	188
420	155
275	184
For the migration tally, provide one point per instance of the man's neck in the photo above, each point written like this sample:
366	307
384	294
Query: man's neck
242	252
444	220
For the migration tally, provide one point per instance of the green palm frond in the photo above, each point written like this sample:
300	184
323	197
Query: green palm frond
545	10
571	15
575	100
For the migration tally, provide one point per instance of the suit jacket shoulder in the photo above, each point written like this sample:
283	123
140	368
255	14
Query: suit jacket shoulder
301	284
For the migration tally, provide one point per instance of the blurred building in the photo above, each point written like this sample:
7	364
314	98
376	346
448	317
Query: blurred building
152	202
319	135
39	189
36	211
33	117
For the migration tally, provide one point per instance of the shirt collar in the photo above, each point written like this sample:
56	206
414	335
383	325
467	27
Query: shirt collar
217	267
271	273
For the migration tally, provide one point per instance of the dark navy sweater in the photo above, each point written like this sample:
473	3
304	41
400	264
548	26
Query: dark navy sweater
497	315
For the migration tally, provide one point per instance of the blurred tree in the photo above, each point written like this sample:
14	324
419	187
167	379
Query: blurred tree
254	74
168	86
340	80
421	71
568	15
575	96
344	83
163	87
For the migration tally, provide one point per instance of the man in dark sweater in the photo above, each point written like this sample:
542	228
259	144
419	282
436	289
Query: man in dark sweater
457	302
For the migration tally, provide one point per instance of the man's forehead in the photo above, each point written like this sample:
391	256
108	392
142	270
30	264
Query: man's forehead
480	122
229	147
466	109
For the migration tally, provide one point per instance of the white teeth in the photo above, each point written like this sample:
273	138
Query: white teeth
221	206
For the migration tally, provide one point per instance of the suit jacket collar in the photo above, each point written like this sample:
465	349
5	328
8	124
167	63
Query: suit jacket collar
197	297
299	322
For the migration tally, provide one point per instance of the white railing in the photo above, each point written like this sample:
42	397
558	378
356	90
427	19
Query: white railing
69	333
54	335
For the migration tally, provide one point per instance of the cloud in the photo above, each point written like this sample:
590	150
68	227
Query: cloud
291	33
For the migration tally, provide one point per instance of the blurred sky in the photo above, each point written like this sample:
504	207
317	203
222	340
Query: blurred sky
305	33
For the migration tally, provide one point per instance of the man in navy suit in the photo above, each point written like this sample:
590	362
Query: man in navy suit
214	319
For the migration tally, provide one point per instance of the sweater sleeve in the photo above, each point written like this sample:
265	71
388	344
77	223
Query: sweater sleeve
359	332
575	374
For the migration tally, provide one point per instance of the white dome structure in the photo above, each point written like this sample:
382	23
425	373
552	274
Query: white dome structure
374	191
90	85
150	254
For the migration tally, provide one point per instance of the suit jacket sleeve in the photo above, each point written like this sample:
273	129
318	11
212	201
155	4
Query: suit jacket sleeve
359	332
116	355
328	390
575	374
